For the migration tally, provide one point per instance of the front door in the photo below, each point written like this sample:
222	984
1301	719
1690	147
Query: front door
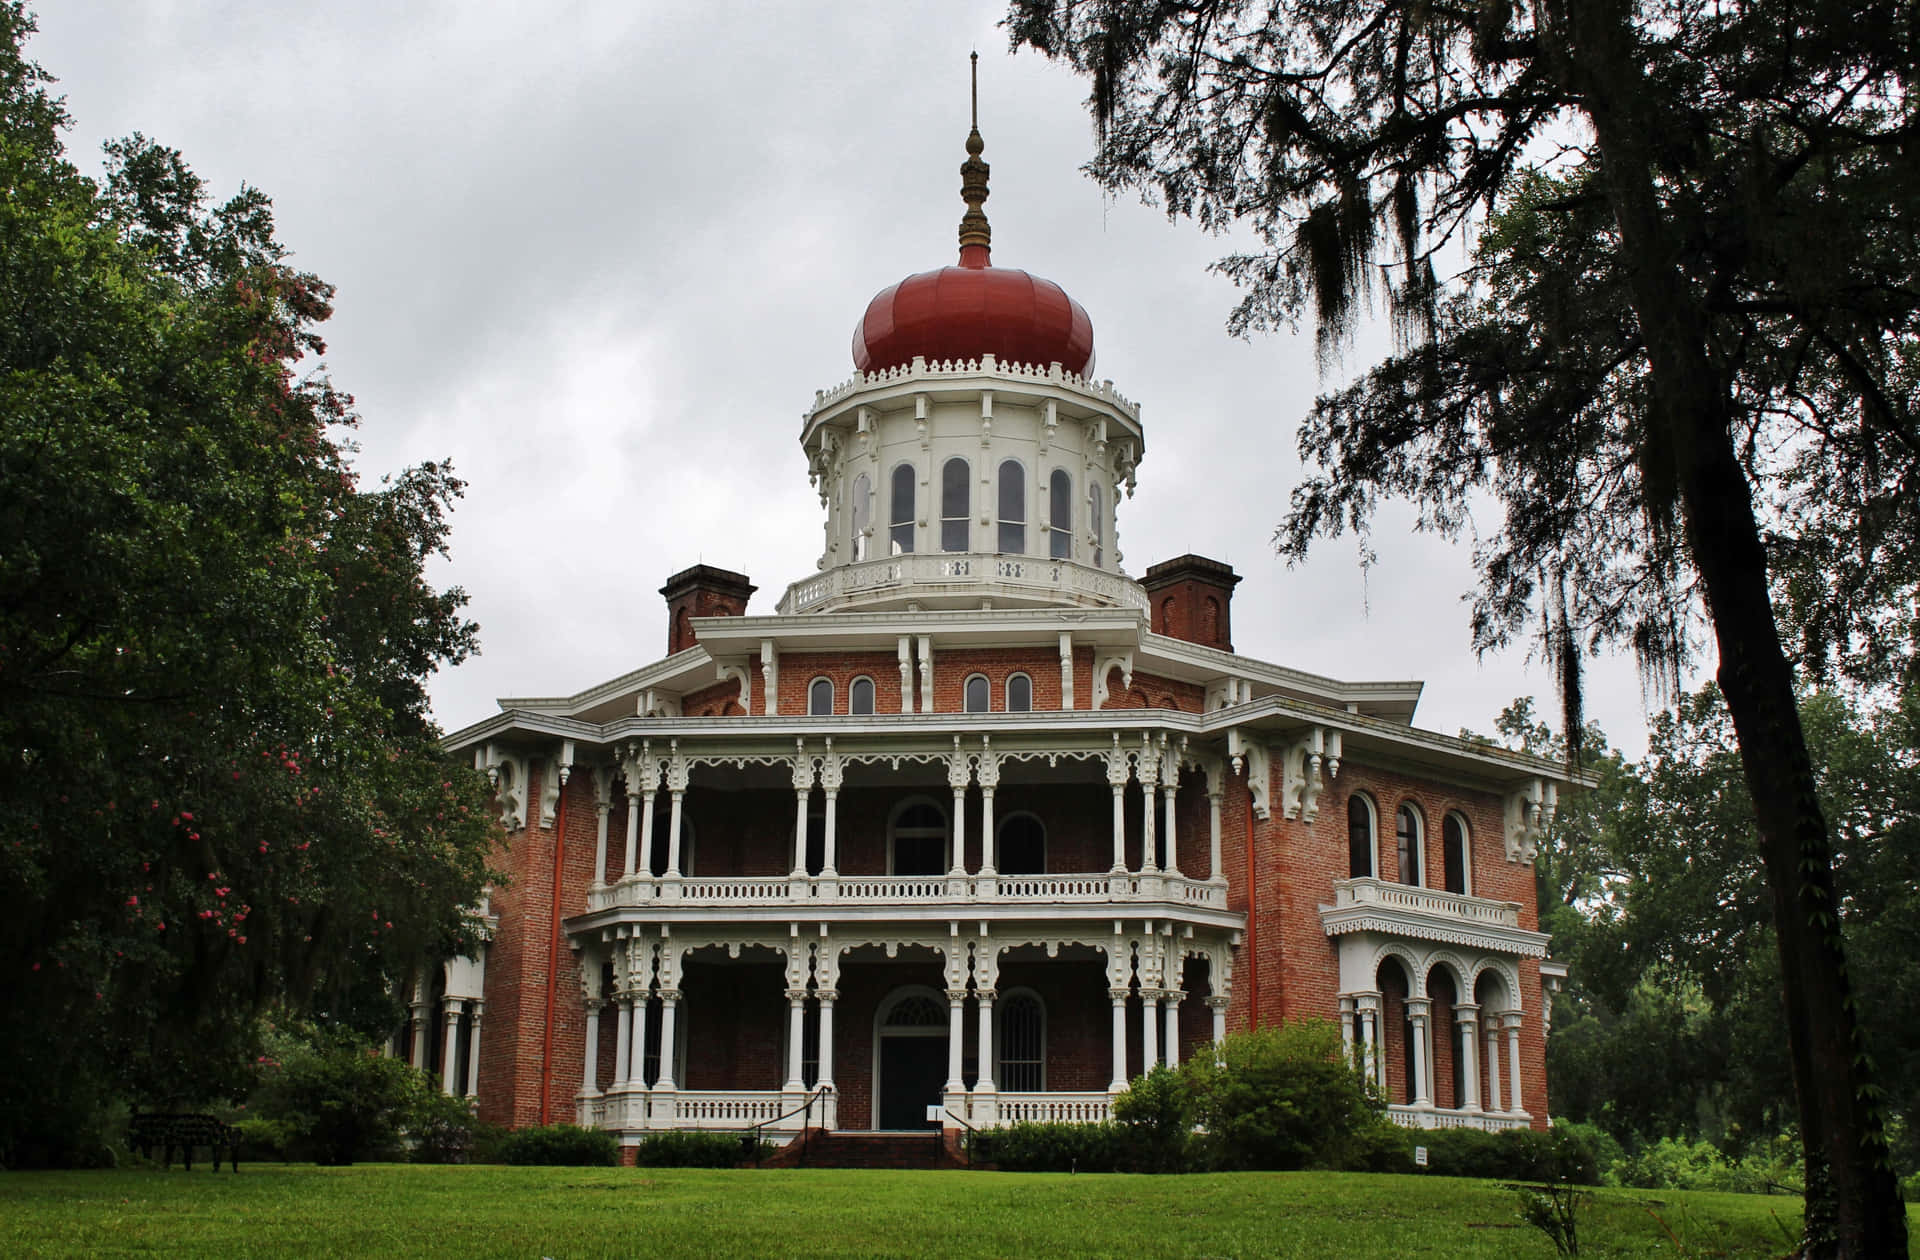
913	1077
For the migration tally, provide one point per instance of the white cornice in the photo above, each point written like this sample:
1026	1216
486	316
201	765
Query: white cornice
1427	927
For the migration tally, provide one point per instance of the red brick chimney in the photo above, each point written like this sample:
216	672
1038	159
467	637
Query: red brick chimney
1191	597
702	591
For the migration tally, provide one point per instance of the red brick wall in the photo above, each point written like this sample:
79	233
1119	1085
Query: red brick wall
735	1015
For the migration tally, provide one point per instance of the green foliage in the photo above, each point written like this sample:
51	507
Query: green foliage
223	790
1674	1164
338	1098
262	1138
1564	1153
1029	1147
566	1144
1554	1211
1281	1097
698	1150
1155	1120
440	1128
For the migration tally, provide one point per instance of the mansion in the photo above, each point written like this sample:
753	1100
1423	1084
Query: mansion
973	827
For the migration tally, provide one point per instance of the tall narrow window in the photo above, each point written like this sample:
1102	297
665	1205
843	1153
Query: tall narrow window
919	840
900	531
954	505
860	697
1453	835
1097	512
820	698
1408	834
1060	515
1359	837
1020	847
1019	693
977	692
861	510
1023	1043
1013	508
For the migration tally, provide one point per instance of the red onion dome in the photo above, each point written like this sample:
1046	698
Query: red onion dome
974	309
965	312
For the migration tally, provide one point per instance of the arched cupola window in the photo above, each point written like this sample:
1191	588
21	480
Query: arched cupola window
955	505
1060	515
1013	508
900	528
861	510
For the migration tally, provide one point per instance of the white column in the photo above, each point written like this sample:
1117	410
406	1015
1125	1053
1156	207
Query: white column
800	796
1066	669
906	674
1119	828
827	860
421	1010
957	779
956	1031
1214	792
646	835
1149	1029
1467	1015
622	1042
1119	1081
984	1047
1217	1004
796	1040
633	828
1512	1022
827	998
673	836
1170	1004
1346	1027
1168	789
1417	1009
473	1050
1493	1062
637	1070
1149	807
1368	1009
669	1002
602	809
986	829
450	1044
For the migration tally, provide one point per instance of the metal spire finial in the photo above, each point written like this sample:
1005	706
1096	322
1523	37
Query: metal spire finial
976	238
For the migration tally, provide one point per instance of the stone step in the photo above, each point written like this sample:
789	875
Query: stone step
844	1149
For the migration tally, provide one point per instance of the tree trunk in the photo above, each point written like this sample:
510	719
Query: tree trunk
1853	1206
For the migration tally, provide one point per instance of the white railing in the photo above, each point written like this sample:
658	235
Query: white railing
1374	892
893	890
1060	1108
728	1109
1051	375
1435	1118
1033	577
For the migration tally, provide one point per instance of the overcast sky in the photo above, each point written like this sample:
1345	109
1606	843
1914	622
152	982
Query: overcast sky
601	255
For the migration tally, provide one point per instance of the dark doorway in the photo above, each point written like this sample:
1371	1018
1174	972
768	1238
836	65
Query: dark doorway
913	1076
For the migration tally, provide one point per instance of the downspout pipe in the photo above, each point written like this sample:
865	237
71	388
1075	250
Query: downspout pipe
1253	919
565	769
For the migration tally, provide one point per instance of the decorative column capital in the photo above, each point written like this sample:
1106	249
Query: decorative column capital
827	996
796	996
1119	995
1176	996
1510	1021
1419	1008
1217	1001
479	1009
668	995
956	996
594	1005
986	995
1466	1013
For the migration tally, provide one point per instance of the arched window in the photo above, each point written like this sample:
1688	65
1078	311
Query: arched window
1060	515
861	510
1019	693
977	693
1453	837
917	839
954	505
820	698
1013	508
1407	832
900	528
1360	846
1020	846
1097	517
860	697
1023	1042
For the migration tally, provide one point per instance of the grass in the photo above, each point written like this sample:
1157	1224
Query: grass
392	1210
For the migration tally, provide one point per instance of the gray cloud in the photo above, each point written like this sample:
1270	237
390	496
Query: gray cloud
602	255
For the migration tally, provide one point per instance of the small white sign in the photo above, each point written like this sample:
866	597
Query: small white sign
1420	1156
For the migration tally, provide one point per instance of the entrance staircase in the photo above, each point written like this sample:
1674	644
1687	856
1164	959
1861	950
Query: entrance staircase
818	1148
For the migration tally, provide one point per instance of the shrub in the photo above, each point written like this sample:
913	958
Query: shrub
699	1150
1910	1188
1675	1164
561	1144
442	1128
264	1139
1380	1147
1155	1122
1279	1097
1560	1154
337	1097
1053	1148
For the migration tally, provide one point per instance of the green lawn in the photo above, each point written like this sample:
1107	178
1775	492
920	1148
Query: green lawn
387	1210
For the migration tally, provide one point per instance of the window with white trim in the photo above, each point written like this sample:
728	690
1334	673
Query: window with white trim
1013	508
1407	835
1019	693
1060	515
977	694
1457	853
1022	1021
900	517
955	504
917	838
860	697
820	698
1360	837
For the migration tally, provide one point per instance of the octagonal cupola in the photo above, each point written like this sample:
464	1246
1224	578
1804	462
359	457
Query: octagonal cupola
971	461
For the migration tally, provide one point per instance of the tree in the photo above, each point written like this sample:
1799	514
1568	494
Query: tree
221	787
1695	326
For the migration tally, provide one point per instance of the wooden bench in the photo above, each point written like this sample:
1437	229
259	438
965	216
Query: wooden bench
183	1130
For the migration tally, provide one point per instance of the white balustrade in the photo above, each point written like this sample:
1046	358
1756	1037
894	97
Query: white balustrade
1060	581
1374	892
1056	1108
1433	1118
729	1108
1003	890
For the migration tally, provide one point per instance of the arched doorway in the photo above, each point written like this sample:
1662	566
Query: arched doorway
909	1058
